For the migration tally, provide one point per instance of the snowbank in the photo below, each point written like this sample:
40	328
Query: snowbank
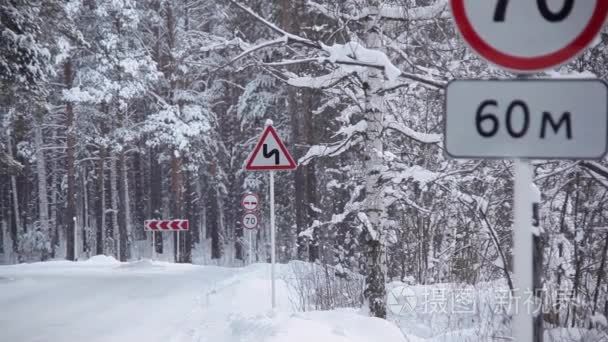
239	310
141	264
450	312
102	260
328	326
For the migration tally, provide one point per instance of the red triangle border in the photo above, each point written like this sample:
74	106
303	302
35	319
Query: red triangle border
270	130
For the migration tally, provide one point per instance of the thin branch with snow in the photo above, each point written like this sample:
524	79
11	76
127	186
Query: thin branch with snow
425	138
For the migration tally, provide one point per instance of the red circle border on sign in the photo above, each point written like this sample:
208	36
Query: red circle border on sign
243	201
528	64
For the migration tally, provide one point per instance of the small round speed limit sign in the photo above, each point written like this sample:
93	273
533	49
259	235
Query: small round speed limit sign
250	221
529	35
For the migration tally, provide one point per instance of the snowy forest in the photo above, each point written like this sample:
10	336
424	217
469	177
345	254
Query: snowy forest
113	112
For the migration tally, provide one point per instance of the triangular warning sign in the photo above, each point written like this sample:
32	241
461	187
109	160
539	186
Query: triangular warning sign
270	154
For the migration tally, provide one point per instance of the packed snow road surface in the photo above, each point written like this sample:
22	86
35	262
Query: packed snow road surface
101	300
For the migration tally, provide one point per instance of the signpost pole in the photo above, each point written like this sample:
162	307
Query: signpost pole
250	246
153	245
522	252
76	239
537	268
177	247
272	241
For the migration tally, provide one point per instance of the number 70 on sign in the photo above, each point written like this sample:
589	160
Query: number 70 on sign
543	7
250	220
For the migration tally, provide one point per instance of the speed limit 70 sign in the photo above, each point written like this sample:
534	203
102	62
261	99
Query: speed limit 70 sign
529	35
540	119
250	220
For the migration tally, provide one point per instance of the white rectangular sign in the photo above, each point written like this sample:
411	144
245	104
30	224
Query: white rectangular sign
538	119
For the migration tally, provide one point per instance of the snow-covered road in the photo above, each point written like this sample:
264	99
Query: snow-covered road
102	301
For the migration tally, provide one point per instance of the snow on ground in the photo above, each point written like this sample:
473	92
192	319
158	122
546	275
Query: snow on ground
105	300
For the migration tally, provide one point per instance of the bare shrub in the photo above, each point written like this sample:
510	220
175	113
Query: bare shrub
323	287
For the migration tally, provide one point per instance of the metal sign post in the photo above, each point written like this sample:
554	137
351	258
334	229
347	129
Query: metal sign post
250	246
272	242
177	258
153	245
76	240
270	154
522	251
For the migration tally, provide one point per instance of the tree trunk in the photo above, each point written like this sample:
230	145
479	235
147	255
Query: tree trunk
43	199
192	214
4	216
70	214
375	292
54	196
14	190
220	226
178	201
213	217
114	200
156	184
101	203
124	225
140	181
577	258
560	251
600	274
16	228
155	195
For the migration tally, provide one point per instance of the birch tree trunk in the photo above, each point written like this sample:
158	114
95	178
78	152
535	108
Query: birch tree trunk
375	291
560	250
